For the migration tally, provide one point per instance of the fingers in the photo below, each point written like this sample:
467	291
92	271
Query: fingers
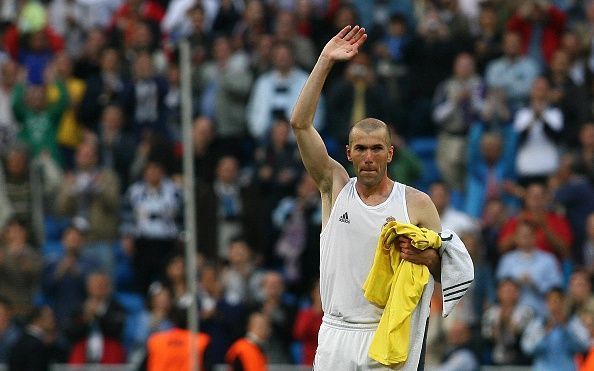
358	36
360	41
344	31
352	33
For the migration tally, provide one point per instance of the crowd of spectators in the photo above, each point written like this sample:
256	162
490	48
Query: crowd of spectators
491	108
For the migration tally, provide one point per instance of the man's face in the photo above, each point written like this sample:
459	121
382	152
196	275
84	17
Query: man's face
511	45
370	154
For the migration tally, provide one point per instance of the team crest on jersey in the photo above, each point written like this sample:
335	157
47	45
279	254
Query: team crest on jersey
344	218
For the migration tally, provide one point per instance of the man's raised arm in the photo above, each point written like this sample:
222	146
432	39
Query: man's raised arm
318	163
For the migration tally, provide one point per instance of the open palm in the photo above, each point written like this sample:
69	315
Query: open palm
345	44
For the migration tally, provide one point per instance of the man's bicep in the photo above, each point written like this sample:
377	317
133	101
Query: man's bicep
322	168
421	210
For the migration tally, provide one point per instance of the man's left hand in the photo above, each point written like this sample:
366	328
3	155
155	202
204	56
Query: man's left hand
428	257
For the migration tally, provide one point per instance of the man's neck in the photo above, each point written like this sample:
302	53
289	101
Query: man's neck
382	189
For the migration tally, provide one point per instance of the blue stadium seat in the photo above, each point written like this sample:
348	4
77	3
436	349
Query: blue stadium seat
132	302
424	148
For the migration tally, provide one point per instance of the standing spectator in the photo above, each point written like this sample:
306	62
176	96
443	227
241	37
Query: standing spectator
64	276
90	195
102	89
226	208
276	92
492	221
354	96
241	279
246	353
38	118
208	149
512	72
20	267
39	346
503	324
585	151
459	353
95	328
36	55
88	62
285	30
307	324
556	339
458	103
487	40
539	127
450	217
540	25
132	12
579	293
536	271
9	332
152	214
553	232
143	98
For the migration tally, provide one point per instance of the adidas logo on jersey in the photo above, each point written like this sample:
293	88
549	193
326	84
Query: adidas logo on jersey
344	218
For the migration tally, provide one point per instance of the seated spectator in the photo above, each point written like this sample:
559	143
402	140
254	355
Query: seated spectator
175	278
585	151
513	72
536	271
451	218
579	293
487	39
503	324
64	276
553	232
406	167
208	149
307	325
95	328
493	219
9	331
241	278
556	339
152	215
539	127
247	353
20	267
39	345
459	353
273	303
90	195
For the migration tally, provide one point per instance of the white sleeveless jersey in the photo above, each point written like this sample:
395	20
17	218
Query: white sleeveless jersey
347	248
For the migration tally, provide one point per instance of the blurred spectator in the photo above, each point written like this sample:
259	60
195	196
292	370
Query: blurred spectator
567	96
496	113
298	220
585	361
307	325
90	196
221	319
152	215
156	317
35	56
142	40
540	25
575	194
9	331
457	104
451	218
512	72
39	345
585	152
9	71
277	163
261	56
175	278
95	328
579	293
173	103
226	208
536	271
487	40
20	267
38	118
143	98
115	145
578	67
241	279
354	96
102	89
64	275
246	353
254	22
588	247
490	165
177	21
87	64
459	354
273	303
227	16
504	323
406	167
285	30
69	133
276	92
170	347
208	149
492	221
223	86
30	187
67	18
553	232
132	12
539	127
555	339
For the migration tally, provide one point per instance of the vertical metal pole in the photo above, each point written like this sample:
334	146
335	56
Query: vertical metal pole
189	195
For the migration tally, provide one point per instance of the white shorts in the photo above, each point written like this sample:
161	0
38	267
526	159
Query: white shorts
343	346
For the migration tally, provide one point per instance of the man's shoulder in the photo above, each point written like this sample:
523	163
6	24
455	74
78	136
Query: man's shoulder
416	197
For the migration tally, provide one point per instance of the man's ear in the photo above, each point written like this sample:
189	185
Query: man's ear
391	154
348	152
